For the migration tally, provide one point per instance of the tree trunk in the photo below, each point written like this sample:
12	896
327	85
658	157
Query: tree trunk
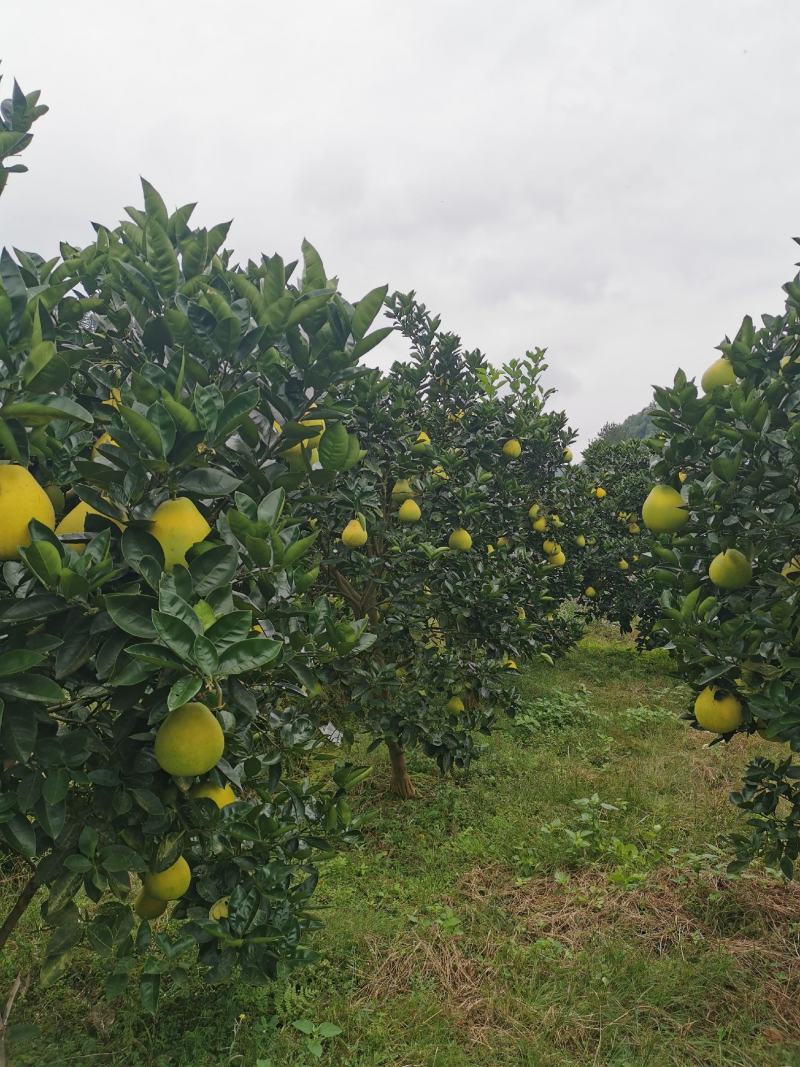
16	913
400	783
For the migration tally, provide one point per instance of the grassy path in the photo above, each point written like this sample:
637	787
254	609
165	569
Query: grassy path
564	906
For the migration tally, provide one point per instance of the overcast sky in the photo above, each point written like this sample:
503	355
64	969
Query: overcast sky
615	180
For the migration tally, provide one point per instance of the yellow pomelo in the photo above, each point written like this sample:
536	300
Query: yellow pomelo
590	592
682	476
189	741
534	510
460	540
718	374
502	542
512	449
312	442
791	570
74	522
169	884
21	499
730	569
557	560
521	614
354	535
623	565
511	665
718	711
402	490
222	795
489	549
556	521
549	547
580	541
664	510
439	472
219	909
540	524
568	455
600	492
145	906
422	443
409	511
455	705
177	525
103	439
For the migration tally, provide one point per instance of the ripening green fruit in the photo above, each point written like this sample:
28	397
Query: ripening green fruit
665	510
567	455
189	741
730	569
512	449
718	374
354	535
718	711
402	490
303	580
409	511
460	540
534	510
580	541
147	907
169	884
455	705
623	565
590	592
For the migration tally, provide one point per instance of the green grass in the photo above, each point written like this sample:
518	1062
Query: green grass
494	921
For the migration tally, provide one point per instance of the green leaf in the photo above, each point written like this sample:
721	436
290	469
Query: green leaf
299	548
133	614
34	687
333	447
230	629
248	655
46	409
174	633
154	206
121	858
183	690
271	507
143	430
162	257
366	310
44	560
149	988
372	340
213	569
314	275
205	656
209	482
18	661
20	835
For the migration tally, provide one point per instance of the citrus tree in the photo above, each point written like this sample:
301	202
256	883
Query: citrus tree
157	639
432	546
606	494
726	513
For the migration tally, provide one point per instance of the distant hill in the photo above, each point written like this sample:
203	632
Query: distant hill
635	427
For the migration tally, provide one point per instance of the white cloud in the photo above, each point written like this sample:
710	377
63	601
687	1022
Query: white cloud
611	179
